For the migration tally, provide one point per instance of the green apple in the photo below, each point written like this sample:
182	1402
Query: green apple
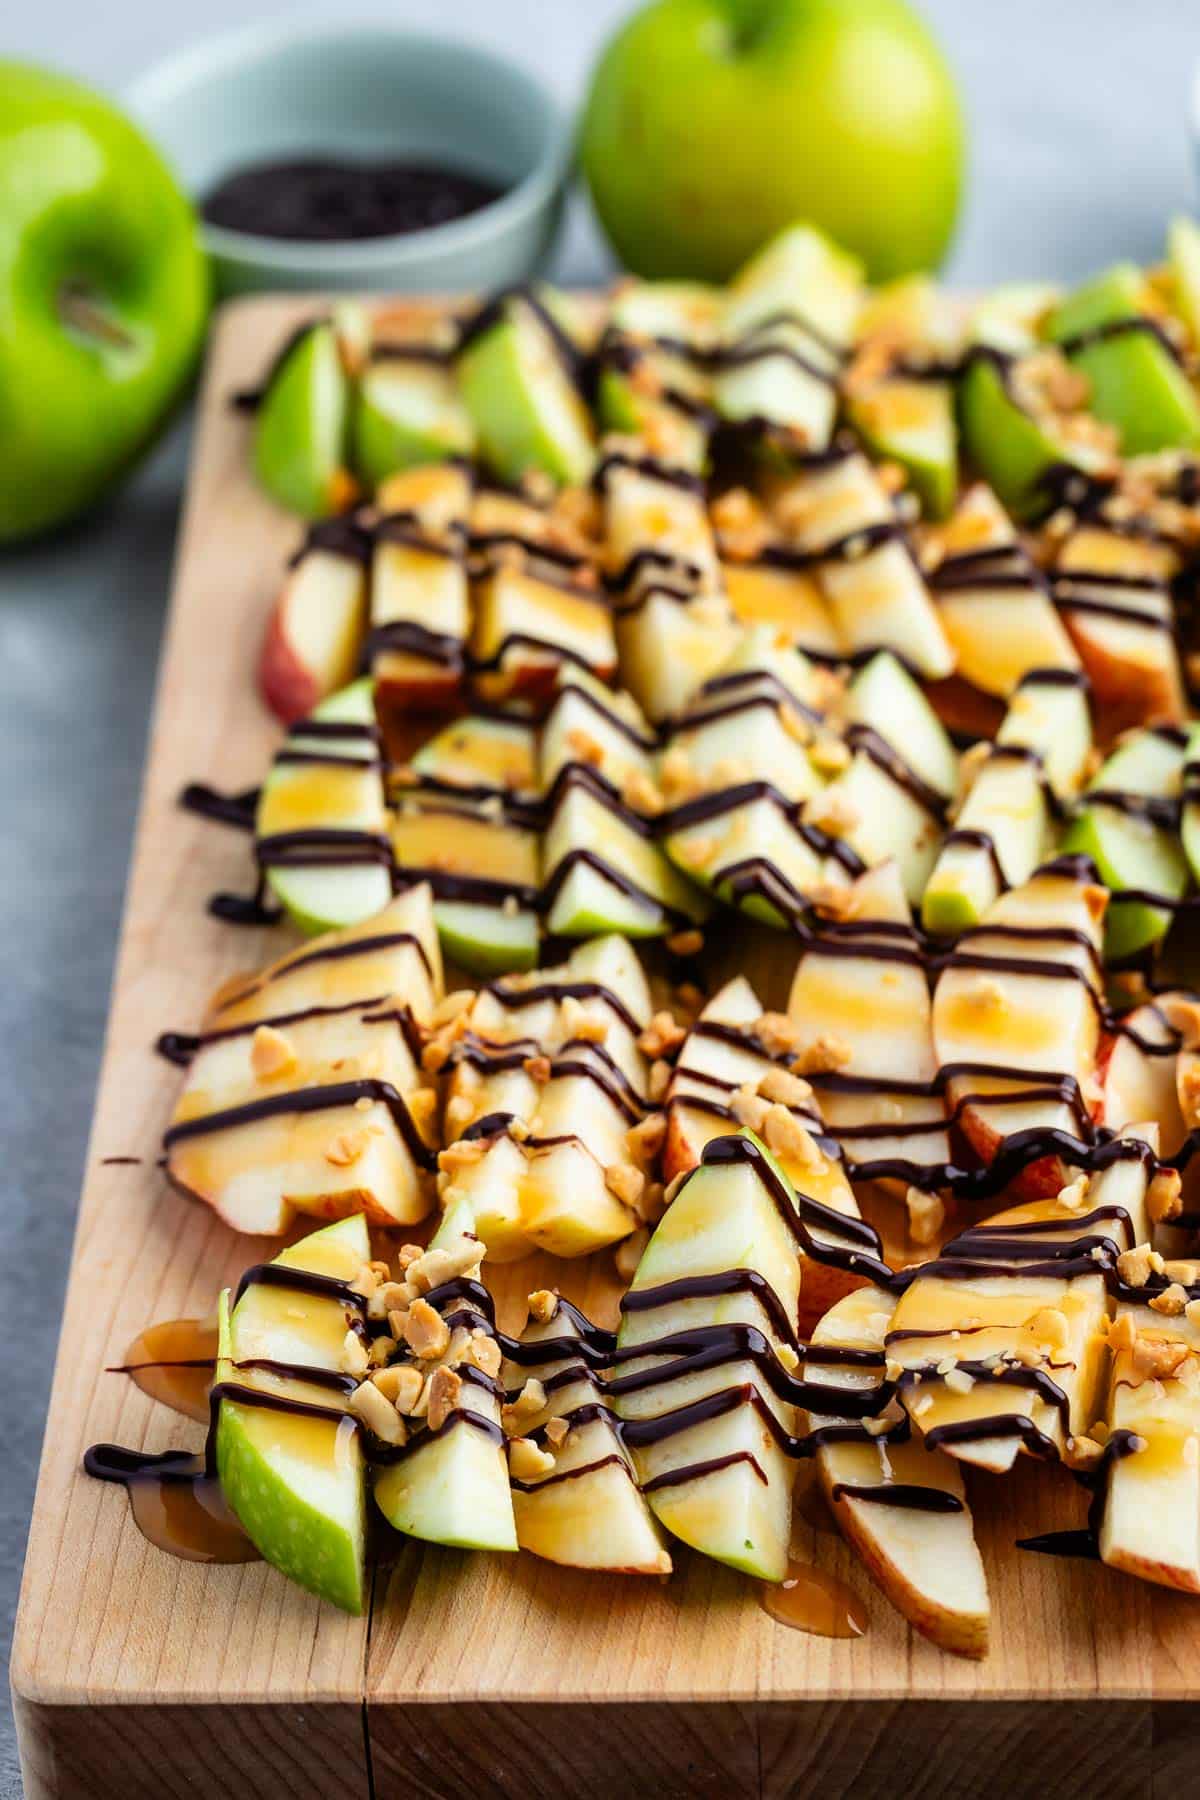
722	1219
302	427
1013	451
406	413
106	296
1136	383
712	124
340	789
523	401
296	1482
1131	851
912	423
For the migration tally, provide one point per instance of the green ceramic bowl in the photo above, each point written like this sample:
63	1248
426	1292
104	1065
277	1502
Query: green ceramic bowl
365	90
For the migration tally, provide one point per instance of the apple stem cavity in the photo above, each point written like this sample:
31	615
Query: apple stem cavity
82	313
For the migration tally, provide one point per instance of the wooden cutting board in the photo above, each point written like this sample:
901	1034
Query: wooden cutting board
136	1675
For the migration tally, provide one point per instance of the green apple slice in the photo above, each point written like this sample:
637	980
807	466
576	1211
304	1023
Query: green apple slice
884	697
1131	849
481	756
1013	451
1003	828
302	426
338	788
524	404
296	1481
912	423
925	1560
587	1512
747	722
484	868
407	412
724	1218
1183	255
1189	832
652	382
1137	384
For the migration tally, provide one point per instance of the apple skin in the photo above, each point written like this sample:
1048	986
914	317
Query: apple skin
88	205
712	124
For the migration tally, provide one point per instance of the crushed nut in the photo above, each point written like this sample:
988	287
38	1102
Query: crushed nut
1155	1358
556	1430
1136	1266
696	852
1171	1301
748	1107
829	755
784	1088
1164	1196
658	1080
1073	1198
529	1402
444	1388
271	1053
661	1037
538	1069
459	1112
1084	1452
640	793
1122	1332
825	1054
526	1461
543	1305
926	1216
346	1148
1183	1271
463	1155
644	1141
625	1182
959	1381
452	1007
430	1268
787	1138
354	1359
581	1025
425	1331
685	943
378	1414
777	1033
483	1352
1049	1326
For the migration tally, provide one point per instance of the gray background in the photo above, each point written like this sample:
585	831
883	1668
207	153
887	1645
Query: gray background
1079	126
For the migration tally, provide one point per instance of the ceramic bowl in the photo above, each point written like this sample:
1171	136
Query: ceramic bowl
362	91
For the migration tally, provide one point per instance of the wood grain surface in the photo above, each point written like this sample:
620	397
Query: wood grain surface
135	1674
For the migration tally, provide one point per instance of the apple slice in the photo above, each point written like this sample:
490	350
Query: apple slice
994	605
602	728
301	428
725	1076
911	422
288	1453
547	1079
861	1010
476	758
654	382
753	718
445	1480
519	374
1015	431
1002	1339
320	830
1136	379
1113	591
1189	825
483	864
890	802
586	1511
1148	1499
407	411
314	634
841	517
1016	1018
1140	1072
1128	826
901	1506
419	595
789	315
528	626
1003	827
789	600
711	1442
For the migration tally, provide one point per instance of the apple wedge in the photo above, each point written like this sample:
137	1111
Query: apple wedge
788	318
1140	1072
910	421
1128	825
315	631
407	411
1113	591
861	1010
528	627
768	592
420	614
585	1510
1016	1021
519	375
654	381
1001	1340
320	830
301	428
288	1452
483	865
994	605
1016	432
1005	824
272	1120
754	717
1135	376
901	1506
440	1471
710	1434
841	517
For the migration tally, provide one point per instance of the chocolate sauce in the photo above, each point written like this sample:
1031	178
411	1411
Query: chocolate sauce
1086	1541
206	802
306	1100
346	535
910	1496
325	199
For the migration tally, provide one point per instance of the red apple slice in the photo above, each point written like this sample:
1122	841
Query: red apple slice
1114	594
314	634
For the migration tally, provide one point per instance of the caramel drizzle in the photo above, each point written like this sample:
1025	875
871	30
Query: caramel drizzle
307	1100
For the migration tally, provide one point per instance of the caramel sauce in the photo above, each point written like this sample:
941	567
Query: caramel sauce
176	1503
808	1599
810	1511
173	1362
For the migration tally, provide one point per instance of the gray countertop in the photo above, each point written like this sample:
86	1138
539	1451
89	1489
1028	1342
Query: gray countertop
1078	113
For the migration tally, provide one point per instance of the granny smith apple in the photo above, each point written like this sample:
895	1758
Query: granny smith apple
105	294
711	124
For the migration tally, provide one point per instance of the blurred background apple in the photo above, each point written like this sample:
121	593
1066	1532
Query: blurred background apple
711	124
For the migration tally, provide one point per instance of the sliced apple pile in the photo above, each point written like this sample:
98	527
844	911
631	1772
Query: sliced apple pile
706	1410
315	631
320	830
546	1085
899	1504
1006	822
575	1492
305	1092
673	619
994	605
1001	1340
861	1011
1016	1021
420	614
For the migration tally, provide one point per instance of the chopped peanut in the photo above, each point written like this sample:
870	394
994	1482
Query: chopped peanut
271	1053
543	1304
425	1331
378	1414
1136	1266
526	1461
926	1216
444	1388
662	1036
